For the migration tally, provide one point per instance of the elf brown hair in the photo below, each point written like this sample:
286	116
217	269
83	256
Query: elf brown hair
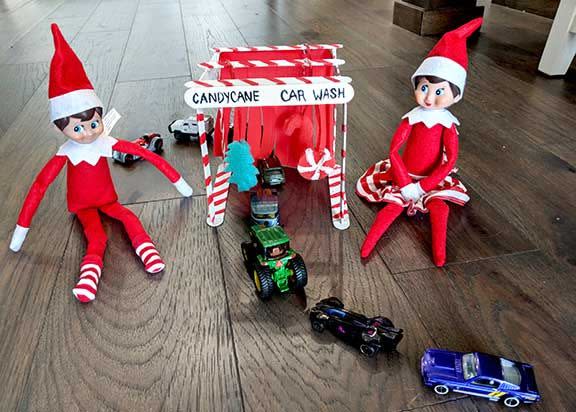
83	116
435	80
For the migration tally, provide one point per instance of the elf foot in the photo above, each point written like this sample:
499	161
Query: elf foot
439	212
383	220
150	257
439	259
87	285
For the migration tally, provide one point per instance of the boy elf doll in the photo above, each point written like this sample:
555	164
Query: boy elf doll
419	179
76	111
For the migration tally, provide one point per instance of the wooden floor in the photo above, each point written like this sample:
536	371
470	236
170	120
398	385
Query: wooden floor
199	339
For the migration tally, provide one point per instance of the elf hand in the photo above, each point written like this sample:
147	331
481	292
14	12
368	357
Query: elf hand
18	238
412	191
183	187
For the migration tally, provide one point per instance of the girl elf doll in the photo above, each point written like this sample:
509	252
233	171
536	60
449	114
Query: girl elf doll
419	179
76	111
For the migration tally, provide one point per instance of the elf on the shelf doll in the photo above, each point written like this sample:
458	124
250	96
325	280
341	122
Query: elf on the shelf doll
419	179
76	111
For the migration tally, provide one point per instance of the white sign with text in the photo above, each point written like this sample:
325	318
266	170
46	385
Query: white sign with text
274	95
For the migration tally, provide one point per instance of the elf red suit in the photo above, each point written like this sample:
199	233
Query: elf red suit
76	110
419	178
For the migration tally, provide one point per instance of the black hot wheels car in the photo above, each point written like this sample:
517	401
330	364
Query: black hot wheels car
271	171
369	335
150	141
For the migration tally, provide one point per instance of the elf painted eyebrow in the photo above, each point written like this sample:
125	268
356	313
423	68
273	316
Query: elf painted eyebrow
77	111
419	179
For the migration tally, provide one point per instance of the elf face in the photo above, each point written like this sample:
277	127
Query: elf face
434	96
84	132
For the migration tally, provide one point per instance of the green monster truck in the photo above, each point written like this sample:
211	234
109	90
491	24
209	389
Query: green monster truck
271	263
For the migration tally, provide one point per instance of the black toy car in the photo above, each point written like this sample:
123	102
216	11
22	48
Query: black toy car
150	141
369	335
271	171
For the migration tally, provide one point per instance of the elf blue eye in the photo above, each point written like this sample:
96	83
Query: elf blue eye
78	128
439	92
94	124
424	88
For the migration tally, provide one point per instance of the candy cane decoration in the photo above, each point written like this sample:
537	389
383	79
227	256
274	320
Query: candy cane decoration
338	204
277	48
312	168
337	183
269	81
220	195
241	64
206	165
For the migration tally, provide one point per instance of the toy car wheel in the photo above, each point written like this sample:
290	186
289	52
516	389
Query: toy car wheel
248	255
263	282
511	402
318	325
129	159
441	389
181	137
386	322
158	145
368	350
300	274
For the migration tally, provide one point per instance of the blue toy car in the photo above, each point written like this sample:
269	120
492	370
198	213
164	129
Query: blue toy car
479	374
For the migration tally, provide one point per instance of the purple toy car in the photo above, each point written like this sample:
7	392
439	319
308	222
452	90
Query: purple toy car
479	374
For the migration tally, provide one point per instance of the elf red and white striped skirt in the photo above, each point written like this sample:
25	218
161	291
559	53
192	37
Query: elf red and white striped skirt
373	187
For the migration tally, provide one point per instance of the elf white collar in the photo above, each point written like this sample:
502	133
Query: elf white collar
431	117
89	153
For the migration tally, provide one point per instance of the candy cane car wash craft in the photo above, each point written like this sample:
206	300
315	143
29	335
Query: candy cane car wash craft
419	179
77	111
282	101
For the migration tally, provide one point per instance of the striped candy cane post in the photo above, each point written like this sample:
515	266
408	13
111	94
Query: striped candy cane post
337	183
338	203
205	165
220	195
242	64
277	48
269	81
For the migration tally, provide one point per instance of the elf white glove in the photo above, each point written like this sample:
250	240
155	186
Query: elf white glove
18	238
183	187
412	191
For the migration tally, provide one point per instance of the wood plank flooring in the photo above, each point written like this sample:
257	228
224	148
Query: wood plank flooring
198	339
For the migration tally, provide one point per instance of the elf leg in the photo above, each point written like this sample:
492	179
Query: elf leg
439	212
91	266
141	242
383	220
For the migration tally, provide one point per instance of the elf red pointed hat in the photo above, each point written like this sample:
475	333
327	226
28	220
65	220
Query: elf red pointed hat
449	58
70	91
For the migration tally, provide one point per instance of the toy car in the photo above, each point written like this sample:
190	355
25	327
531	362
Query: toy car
271	171
271	262
150	141
264	208
479	374
369	335
187	129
